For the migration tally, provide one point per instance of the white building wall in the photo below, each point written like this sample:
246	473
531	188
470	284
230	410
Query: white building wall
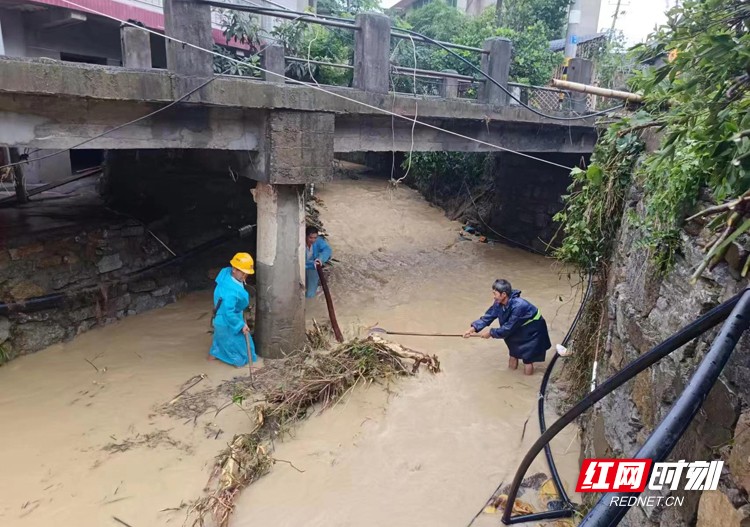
13	35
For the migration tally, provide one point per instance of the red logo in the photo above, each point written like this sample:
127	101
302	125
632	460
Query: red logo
613	475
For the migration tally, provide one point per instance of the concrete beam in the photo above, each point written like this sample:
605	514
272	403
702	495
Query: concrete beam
372	47
37	124
299	147
280	323
496	64
136	48
375	134
188	21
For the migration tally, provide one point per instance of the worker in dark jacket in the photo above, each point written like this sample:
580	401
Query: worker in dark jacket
521	326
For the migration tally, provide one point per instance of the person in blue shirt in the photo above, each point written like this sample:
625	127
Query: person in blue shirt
230	301
317	252
521	326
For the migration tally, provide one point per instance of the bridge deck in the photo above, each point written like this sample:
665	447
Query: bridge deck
50	104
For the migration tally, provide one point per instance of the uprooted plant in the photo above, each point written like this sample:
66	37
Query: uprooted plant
313	378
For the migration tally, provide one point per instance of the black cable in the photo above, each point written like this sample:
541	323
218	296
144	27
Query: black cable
510	240
256	7
312	17
668	432
493	81
686	334
134	121
569	506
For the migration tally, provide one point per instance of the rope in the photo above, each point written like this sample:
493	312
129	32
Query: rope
311	86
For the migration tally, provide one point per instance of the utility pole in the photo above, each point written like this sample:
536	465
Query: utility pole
614	19
17	159
499	12
571	35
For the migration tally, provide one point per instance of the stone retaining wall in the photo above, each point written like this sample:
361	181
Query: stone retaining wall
186	198
643	310
91	266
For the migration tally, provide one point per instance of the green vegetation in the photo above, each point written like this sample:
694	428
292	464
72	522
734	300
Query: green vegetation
533	62
5	355
698	98
593	211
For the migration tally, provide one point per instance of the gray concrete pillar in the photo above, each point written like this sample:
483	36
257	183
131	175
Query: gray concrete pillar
273	61
449	86
581	71
136	47
496	64
188	21
297	149
280	268
516	92
372	48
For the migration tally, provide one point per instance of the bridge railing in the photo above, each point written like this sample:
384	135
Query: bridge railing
371	68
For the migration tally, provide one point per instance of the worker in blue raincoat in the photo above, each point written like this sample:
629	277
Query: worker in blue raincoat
521	326
230	301
317	252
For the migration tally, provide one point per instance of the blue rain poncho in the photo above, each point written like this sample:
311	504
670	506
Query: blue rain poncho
229	343
320	250
521	326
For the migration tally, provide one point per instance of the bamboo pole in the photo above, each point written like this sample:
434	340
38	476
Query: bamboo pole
595	90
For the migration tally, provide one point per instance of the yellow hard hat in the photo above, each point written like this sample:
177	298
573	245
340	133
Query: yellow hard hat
244	262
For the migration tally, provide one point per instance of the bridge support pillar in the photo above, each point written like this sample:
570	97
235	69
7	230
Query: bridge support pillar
188	21
280	268
496	64
297	149
136	47
581	71
372	47
273	61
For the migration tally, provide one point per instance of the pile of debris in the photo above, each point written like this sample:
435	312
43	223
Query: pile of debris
472	234
317	377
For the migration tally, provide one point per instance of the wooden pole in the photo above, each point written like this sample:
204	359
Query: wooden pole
21	195
596	90
329	303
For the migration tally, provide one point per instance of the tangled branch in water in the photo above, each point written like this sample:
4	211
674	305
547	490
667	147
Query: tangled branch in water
316	378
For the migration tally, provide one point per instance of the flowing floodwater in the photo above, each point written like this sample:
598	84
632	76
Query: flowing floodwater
88	434
433	450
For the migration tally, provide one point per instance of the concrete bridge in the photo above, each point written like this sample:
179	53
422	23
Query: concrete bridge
281	135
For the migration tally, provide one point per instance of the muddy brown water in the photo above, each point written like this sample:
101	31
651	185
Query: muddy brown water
81	446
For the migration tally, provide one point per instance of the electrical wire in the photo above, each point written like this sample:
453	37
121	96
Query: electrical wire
416	113
431	41
118	127
314	87
134	121
508	92
502	236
